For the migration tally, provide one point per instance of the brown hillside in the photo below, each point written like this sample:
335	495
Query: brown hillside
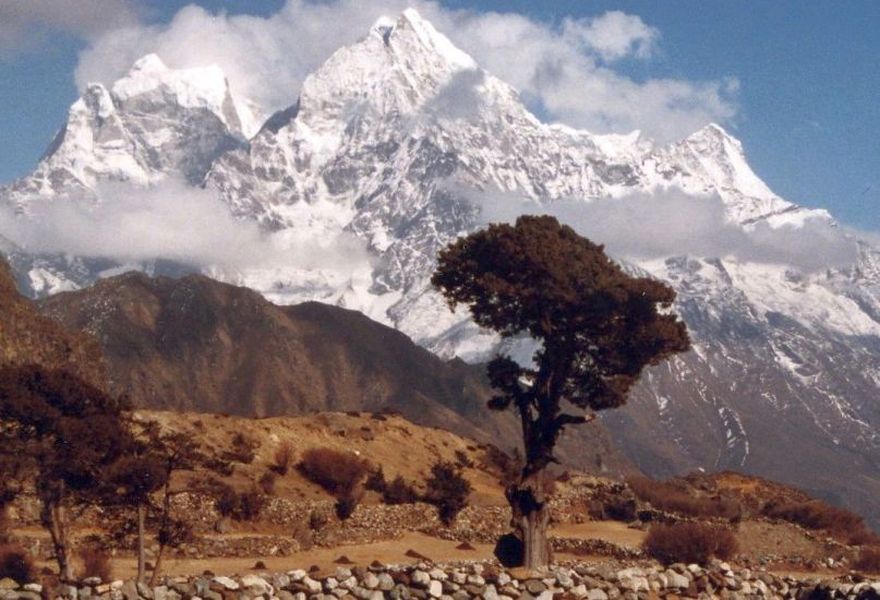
28	337
195	344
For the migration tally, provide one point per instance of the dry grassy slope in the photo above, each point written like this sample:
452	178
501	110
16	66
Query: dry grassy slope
392	442
195	344
28	337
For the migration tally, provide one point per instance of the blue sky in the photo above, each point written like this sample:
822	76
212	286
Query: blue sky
806	106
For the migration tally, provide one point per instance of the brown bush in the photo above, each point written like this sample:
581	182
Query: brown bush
267	482
376	481
16	564
447	490
337	472
241	506
676	497
399	492
242	451
868	560
95	563
346	505
282	459
689	543
840	523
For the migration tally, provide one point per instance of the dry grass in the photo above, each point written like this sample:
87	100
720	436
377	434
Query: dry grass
95	562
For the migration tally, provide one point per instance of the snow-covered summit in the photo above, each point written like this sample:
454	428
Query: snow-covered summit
199	87
152	123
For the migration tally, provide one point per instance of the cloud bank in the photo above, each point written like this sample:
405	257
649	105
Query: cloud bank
566	71
665	224
175	222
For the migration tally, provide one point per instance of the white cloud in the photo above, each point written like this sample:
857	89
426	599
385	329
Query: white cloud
24	23
566	70
613	35
682	225
171	221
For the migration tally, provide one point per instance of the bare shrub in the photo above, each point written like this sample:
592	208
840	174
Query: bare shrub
399	491
267	482
868	560
675	497
95	563
447	490
843	525
346	505
462	460
689	543
283	458
376	481
242	450
16	564
241	506
335	471
508	467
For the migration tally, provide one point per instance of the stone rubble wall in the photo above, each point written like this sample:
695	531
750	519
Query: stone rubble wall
462	581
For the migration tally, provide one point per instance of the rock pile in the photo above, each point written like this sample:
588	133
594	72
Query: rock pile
606	581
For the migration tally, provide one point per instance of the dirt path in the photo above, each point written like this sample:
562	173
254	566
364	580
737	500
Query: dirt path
610	531
387	552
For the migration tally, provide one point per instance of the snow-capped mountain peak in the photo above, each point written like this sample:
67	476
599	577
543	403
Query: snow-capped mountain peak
153	123
196	88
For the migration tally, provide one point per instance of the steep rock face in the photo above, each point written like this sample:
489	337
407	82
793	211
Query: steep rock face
394	138
196	344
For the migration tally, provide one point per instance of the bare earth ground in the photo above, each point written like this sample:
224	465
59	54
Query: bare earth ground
386	552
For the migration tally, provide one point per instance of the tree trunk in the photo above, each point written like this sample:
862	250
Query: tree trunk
55	518
530	519
155	576
141	559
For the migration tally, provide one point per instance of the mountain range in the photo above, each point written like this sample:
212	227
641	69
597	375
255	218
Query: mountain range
400	143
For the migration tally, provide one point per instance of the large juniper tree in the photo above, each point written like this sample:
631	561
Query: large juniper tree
596	327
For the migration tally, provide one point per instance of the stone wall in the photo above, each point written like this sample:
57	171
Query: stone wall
603	581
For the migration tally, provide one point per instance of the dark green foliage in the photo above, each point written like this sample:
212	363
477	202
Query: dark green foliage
687	543
447	490
598	326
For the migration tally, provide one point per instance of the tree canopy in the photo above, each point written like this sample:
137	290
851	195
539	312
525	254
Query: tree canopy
596	328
